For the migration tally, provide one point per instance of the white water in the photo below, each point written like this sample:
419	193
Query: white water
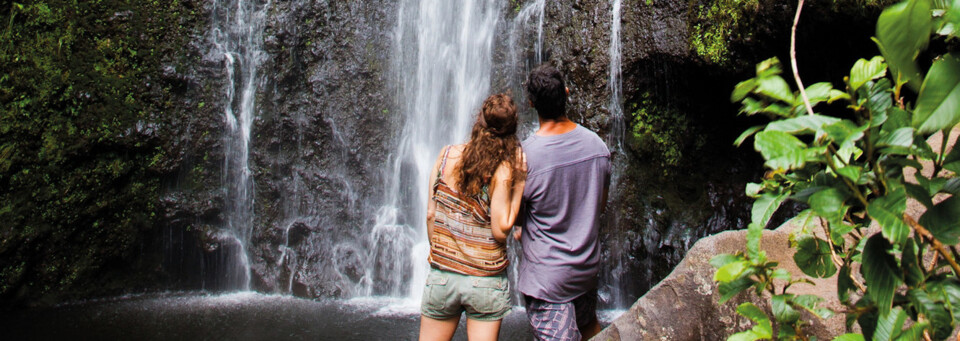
237	41
615	85
520	26
444	51
614	291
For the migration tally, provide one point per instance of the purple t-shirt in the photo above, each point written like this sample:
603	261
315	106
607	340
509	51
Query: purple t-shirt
567	177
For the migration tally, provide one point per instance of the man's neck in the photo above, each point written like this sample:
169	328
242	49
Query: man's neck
561	125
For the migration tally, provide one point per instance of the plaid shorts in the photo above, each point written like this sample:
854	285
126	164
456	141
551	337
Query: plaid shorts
561	321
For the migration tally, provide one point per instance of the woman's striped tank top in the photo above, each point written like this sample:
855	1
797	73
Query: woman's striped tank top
462	239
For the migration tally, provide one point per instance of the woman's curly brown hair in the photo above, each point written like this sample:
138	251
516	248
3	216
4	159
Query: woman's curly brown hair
493	141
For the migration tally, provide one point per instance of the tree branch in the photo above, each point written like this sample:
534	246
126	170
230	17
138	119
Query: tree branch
934	242
793	59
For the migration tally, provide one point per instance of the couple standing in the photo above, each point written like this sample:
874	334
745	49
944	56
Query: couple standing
560	176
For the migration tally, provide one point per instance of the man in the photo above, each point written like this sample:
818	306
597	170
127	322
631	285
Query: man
568	173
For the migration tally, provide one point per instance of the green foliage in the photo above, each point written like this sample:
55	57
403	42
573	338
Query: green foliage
661	131
75	163
763	328
850	171
713	26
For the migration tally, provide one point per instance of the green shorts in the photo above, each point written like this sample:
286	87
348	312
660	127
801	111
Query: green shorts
448	294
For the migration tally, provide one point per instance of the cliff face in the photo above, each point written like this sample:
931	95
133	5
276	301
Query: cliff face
327	121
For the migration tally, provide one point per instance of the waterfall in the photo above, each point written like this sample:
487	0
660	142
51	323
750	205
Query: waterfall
614	288
236	37
520	23
615	84
443	62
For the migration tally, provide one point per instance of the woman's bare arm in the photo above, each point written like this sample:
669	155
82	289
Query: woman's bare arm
431	204
504	202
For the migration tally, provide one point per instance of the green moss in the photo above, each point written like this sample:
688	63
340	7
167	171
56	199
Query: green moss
713	26
661	132
76	173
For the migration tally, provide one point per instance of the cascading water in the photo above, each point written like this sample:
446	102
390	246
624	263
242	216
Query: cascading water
614	289
444	64
615	85
520	23
236	36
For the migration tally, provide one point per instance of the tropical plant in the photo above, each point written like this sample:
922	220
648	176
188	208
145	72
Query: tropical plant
852	171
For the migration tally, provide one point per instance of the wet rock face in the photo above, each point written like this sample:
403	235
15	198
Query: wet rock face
321	135
327	119
321	141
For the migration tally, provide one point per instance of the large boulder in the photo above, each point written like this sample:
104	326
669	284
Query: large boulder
684	306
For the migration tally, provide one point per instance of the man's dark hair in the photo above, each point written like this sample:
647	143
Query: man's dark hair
547	92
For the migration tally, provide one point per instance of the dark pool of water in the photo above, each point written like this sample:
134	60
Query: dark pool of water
236	316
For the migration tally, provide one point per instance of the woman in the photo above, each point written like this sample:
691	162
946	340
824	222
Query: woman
474	200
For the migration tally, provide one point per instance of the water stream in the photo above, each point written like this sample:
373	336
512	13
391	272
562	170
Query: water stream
443	65
236	37
613	283
444	53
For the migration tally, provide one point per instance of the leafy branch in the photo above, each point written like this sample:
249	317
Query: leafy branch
850	173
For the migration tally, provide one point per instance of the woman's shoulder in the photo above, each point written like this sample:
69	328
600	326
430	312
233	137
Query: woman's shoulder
455	149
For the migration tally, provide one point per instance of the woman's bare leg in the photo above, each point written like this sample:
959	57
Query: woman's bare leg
438	330
483	330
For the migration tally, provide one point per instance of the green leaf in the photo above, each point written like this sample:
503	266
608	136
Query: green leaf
811	303
888	210
864	70
880	271
753	189
897	118
743	89
938	105
813	257
816	93
751	106
920	193
730	289
730	271
946	291
844	130
776	109
934	311
952	186
763	328
781	150
769	67
943	221
786	333
902	31
914	333
910	264
746	134
846	133
781	274
828	204
851	172
867	317
849	337
890	324
775	87
836	95
763	209
844	283
720	260
782	311
802	125
902	137
880	98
